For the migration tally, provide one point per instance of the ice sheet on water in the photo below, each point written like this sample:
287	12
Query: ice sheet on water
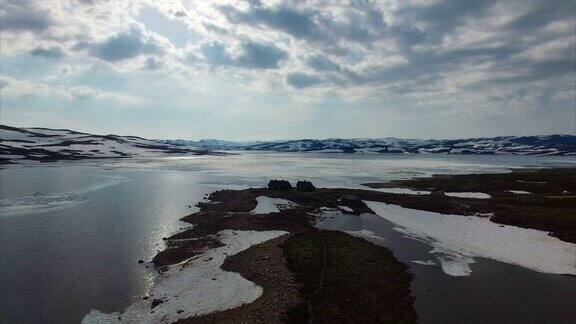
40	202
255	169
457	240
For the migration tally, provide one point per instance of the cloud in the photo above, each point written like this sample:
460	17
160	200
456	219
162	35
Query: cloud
299	24
22	15
216	54
123	46
14	88
311	24
321	63
302	80
53	52
180	14
18	88
251	55
152	64
543	13
260	56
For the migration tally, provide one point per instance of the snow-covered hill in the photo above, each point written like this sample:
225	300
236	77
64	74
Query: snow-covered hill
47	145
520	145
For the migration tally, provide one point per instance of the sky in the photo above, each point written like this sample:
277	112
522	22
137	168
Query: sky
260	70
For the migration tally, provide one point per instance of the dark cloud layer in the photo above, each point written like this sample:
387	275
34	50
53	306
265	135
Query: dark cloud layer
424	59
311	24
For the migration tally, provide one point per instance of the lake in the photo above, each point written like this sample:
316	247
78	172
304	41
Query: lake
71	234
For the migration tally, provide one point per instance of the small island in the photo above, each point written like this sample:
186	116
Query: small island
255	255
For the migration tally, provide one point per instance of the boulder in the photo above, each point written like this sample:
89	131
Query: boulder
305	186
279	185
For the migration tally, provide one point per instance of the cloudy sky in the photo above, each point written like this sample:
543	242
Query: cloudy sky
244	70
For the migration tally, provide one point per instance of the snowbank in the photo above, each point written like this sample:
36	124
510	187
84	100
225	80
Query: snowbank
457	240
198	286
268	205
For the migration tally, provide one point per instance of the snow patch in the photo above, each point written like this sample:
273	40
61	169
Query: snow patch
267	205
519	192
365	234
346	209
476	195
425	262
457	240
539	182
197	286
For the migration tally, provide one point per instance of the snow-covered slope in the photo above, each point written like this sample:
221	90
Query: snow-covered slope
521	145
46	145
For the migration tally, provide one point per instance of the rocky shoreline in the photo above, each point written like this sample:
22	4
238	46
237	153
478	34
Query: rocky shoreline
297	285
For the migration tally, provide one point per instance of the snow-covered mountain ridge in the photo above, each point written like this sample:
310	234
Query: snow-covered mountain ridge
518	145
48	145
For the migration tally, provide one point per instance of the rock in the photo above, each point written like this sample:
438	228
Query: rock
145	297
437	193
140	261
156	302
279	185
305	186
179	311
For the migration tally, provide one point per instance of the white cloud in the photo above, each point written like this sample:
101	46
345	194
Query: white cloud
15	88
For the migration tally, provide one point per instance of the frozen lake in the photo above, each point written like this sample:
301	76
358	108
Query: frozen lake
71	234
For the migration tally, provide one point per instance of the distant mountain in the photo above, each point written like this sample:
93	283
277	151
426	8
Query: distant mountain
213	144
518	145
48	145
